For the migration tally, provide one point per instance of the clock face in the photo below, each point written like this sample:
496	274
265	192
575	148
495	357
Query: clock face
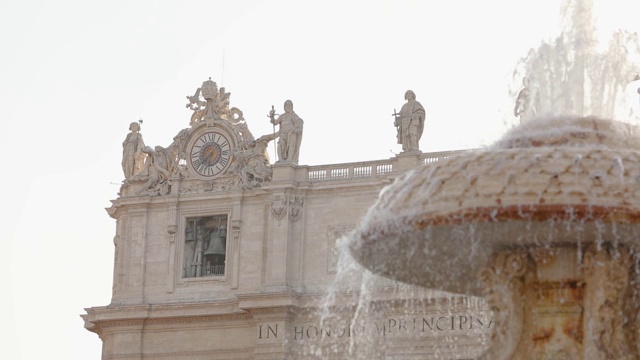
210	154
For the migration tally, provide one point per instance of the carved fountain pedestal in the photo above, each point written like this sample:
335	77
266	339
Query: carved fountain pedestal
545	224
562	302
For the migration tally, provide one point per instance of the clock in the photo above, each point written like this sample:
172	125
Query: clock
210	154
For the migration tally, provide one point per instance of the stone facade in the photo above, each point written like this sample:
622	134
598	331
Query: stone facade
238	265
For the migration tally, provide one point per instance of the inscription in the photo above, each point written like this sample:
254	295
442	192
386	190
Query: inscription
268	331
401	326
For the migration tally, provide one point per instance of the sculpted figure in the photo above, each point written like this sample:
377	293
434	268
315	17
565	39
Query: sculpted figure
156	172
253	163
524	106
175	154
132	156
289	134
245	133
410	123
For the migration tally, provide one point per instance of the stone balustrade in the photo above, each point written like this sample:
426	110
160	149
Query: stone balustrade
370	169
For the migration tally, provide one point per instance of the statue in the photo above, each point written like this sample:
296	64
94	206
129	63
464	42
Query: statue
132	156
253	163
524	106
289	134
156	172
410	123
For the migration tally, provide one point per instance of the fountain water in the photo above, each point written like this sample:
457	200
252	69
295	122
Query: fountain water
545	224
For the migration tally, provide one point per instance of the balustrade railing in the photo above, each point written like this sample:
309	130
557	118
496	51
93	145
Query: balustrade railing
370	169
349	171
428	158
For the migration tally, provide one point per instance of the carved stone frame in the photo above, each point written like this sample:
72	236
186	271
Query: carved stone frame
231	263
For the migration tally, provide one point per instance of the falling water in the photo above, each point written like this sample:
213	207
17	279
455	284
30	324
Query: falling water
364	315
571	76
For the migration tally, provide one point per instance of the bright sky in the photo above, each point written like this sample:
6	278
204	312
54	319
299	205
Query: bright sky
74	74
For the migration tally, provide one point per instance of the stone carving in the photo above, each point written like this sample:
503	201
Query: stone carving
156	173
295	208
504	280
524	107
279	206
214	107
247	156
409	123
224	183
175	154
606	272
253	162
245	134
132	156
289	134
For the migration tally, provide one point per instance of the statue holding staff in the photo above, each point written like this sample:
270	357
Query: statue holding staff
409	123
289	133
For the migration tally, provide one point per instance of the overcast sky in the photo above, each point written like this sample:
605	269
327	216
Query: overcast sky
74	74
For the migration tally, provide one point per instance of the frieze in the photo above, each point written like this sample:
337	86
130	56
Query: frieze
226	183
402	326
175	320
272	310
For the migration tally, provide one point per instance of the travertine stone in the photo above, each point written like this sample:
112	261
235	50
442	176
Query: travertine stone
550	219
274	232
289	133
409	123
132	156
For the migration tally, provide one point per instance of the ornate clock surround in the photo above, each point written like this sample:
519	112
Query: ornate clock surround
209	151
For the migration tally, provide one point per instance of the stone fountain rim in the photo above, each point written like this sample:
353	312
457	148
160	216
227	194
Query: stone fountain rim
401	221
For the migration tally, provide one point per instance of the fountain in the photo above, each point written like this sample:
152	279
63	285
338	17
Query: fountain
545	224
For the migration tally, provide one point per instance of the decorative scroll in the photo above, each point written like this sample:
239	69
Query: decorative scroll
504	279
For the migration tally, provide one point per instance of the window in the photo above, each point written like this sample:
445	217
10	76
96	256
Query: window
205	246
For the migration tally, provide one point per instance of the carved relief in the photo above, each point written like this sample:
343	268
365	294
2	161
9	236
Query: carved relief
245	134
606	272
155	174
210	104
224	183
295	207
176	155
253	163
504	280
279	206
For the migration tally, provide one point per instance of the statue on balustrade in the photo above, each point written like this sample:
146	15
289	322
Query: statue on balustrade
132	155
409	123
289	133
524	107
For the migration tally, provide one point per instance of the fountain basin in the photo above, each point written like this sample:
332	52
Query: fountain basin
559	181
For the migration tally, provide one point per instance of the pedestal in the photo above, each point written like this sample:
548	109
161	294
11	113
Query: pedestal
563	302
